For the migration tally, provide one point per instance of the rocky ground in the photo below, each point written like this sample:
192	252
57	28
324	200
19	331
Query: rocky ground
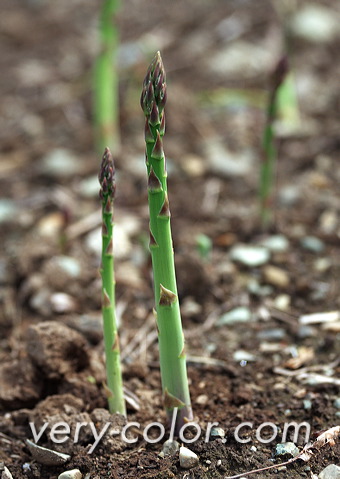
260	308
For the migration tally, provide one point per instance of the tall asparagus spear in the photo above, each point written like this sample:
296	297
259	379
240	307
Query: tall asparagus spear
269	145
111	341
170	334
105	94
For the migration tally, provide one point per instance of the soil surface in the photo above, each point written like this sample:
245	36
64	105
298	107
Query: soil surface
254	353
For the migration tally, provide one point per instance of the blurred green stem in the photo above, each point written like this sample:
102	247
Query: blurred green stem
106	88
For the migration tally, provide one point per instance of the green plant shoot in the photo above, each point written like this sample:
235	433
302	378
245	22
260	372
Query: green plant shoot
268	144
106	109
111	340
170	334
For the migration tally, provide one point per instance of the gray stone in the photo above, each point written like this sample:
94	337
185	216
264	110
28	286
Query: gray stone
46	456
250	255
227	163
240	58
255	288
70	266
61	163
8	210
275	334
72	474
313	244
289	195
286	448
170	448
187	458
337	403
89	187
242	314
330	472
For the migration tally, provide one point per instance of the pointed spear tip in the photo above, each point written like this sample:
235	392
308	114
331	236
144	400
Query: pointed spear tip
107	175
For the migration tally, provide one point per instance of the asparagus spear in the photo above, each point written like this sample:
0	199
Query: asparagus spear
105	95
170	334
268	143
111	340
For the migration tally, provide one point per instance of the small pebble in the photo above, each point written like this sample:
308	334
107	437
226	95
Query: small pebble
337	403
61	163
6	474
253	448
72	474
8	210
282	302
255	288
307	404
217	432
276	243
26	467
89	187
306	332
202	399
330	472
170	448
313	244
67	264
51	225
288	448
315	23
241	355
46	456
289	195
250	255
241	314
276	276
62	303
321	265
187	458
275	334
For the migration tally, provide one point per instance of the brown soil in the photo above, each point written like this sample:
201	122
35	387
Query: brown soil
51	352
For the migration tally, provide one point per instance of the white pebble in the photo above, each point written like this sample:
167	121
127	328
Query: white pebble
250	255
187	458
72	474
6	474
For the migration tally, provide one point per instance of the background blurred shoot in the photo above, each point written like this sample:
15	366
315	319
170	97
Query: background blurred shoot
106	91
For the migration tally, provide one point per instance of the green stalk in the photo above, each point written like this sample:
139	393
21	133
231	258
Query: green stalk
269	146
106	108
111	340
170	334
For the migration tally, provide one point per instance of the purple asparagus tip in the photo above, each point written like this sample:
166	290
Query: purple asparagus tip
154	87
107	176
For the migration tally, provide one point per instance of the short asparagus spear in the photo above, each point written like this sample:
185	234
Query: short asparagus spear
170	334
111	341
